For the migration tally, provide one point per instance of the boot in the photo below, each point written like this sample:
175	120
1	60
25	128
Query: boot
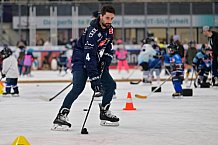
61	119
16	92
177	94
106	117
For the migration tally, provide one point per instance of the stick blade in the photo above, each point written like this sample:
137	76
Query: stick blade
135	83
141	96
44	98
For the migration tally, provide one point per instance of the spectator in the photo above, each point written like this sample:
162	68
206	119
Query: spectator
21	55
47	45
180	48
40	42
213	42
190	54
62	62
134	41
21	43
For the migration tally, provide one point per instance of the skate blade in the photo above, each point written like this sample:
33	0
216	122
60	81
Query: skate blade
177	97
146	84
97	98
15	95
57	127
7	96
108	123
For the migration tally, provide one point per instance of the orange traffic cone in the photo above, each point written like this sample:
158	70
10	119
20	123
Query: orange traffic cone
129	104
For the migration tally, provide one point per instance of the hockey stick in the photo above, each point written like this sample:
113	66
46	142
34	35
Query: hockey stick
132	82
196	79
135	68
145	97
84	130
193	71
60	91
50	99
135	83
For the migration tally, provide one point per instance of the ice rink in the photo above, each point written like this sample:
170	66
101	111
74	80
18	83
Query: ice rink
157	120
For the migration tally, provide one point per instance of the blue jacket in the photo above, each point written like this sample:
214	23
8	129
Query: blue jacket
176	65
201	61
93	47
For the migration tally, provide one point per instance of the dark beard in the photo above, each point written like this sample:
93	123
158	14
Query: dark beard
107	25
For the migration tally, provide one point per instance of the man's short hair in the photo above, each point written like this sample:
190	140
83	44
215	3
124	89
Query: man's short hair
205	28
107	8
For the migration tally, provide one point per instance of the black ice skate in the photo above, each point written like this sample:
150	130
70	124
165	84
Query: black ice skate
60	122
107	119
215	81
177	95
98	94
205	85
15	94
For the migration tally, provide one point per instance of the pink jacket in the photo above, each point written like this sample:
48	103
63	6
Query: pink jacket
121	54
28	60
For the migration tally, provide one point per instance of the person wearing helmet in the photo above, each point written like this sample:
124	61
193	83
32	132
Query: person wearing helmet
146	54
10	71
176	70
155	63
202	65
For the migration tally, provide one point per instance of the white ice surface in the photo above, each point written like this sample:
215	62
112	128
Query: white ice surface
158	120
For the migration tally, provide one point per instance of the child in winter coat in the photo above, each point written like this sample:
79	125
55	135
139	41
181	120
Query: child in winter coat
177	71
10	71
28	59
202	65
121	55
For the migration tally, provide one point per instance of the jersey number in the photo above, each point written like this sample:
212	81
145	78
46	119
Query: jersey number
87	57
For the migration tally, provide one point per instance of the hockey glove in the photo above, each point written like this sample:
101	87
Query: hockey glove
107	59
97	86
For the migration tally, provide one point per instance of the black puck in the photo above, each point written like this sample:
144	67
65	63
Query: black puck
85	109
84	131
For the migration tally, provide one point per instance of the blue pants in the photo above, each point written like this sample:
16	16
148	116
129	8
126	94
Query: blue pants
11	82
177	80
20	69
79	82
177	86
